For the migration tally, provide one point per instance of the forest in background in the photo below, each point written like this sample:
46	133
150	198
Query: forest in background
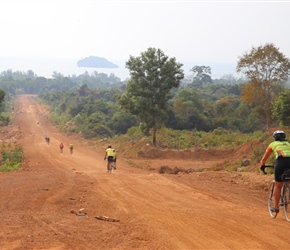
87	104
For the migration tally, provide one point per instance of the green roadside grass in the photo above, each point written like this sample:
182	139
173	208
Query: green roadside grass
11	158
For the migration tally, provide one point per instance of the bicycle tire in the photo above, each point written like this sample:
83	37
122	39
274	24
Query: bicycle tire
286	201
110	166
271	200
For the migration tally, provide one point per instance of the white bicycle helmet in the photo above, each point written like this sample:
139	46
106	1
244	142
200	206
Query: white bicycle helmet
279	135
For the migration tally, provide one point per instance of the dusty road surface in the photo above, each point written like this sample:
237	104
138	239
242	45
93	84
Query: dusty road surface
199	210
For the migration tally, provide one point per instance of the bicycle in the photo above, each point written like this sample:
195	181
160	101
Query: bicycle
47	139
285	194
111	165
114	165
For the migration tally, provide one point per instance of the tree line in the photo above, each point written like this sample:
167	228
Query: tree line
158	94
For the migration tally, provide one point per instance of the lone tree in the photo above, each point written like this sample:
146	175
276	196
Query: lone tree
153	76
267	70
201	75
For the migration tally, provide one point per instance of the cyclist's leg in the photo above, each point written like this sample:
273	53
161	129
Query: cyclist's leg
272	212
108	165
277	193
279	166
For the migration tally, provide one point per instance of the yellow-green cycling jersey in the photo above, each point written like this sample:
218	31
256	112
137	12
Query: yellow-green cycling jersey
111	152
280	148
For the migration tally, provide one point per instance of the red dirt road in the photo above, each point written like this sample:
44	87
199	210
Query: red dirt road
200	210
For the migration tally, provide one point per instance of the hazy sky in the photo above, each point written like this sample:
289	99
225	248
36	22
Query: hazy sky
208	31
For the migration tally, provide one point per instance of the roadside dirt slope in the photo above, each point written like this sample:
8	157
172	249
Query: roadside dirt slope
199	210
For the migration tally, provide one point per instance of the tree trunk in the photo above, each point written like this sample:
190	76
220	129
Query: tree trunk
268	109
154	135
268	120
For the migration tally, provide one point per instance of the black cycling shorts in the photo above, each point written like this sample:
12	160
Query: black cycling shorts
110	158
281	164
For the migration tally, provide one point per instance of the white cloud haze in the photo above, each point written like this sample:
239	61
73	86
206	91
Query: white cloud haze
197	31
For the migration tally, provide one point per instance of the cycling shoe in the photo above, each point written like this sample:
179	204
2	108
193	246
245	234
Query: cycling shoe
274	209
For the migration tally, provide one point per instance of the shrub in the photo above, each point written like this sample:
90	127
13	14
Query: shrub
11	158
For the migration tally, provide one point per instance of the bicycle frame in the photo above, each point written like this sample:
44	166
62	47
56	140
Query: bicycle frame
285	194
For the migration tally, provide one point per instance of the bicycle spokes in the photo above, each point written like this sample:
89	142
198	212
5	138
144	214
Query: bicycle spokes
286	200
271	201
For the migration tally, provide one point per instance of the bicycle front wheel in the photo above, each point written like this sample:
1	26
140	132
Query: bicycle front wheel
271	200
286	201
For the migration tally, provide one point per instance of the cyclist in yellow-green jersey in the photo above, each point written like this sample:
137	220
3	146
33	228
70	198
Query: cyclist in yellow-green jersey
281	148
110	155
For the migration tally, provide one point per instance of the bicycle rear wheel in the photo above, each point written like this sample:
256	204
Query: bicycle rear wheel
286	201
271	200
110	166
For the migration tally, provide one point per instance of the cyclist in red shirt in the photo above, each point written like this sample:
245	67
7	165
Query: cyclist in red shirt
61	147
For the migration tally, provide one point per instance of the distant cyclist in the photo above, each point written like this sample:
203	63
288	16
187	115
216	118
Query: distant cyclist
71	148
281	148
110	155
61	147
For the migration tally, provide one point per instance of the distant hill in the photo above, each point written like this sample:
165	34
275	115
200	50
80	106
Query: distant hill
96	62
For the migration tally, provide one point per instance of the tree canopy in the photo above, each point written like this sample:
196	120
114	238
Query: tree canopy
281	108
2	96
267	69
153	76
201	75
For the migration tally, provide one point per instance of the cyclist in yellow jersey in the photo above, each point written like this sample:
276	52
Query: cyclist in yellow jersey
110	155
281	148
71	148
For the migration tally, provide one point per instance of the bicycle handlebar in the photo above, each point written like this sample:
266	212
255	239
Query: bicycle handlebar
266	166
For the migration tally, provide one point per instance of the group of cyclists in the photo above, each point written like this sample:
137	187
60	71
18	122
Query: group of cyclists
71	147
61	146
280	147
110	154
